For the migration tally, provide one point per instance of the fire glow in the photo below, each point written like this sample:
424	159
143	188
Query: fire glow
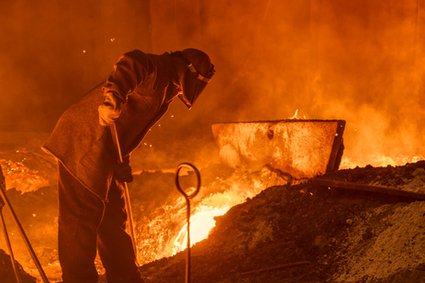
201	223
378	157
162	232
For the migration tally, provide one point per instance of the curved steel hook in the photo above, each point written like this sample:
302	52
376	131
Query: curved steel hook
198	178
188	197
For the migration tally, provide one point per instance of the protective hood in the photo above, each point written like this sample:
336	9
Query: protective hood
199	72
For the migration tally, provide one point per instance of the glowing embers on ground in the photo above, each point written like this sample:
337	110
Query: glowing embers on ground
19	176
201	223
377	160
161	231
220	196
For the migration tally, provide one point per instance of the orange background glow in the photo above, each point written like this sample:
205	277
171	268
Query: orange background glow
361	61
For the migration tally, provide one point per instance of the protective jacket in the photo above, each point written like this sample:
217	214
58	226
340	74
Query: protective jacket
84	147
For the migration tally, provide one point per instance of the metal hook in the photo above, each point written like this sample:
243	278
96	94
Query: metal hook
198	179
188	197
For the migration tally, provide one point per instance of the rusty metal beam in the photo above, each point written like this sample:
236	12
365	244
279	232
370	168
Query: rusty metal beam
389	191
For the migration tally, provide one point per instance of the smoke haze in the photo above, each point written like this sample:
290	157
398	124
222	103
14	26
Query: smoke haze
361	61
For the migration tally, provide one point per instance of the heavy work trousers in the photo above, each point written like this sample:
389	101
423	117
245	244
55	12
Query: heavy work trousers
86	223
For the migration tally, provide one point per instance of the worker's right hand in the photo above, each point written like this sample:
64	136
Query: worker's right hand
109	110
123	171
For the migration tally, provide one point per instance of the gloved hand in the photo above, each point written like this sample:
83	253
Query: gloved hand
123	172
109	110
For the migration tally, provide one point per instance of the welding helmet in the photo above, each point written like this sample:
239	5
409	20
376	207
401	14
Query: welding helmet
199	71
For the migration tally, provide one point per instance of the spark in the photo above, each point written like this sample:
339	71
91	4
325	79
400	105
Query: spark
295	115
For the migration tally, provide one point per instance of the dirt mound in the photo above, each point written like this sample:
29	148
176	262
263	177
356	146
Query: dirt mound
300	233
306	233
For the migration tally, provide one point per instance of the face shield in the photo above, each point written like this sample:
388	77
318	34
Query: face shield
194	81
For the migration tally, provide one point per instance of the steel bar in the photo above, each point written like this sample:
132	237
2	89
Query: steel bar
21	229
9	245
130	225
188	197
325	182
275	267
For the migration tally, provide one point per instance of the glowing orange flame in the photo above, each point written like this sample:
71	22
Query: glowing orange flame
295	116
201	223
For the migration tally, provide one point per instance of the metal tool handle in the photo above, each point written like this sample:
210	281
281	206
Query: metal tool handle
9	245
117	145
188	197
21	229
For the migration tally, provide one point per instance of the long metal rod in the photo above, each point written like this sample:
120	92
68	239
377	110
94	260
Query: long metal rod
9	245
383	190
24	236
188	263
188	197
130	226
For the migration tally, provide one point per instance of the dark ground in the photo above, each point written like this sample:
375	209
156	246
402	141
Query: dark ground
300	233
306	233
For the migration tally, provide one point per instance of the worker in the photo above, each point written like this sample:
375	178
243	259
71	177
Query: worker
92	213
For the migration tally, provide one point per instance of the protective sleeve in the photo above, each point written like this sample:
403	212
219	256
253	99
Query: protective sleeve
129	71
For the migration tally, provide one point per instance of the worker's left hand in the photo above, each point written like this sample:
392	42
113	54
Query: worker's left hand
109	110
